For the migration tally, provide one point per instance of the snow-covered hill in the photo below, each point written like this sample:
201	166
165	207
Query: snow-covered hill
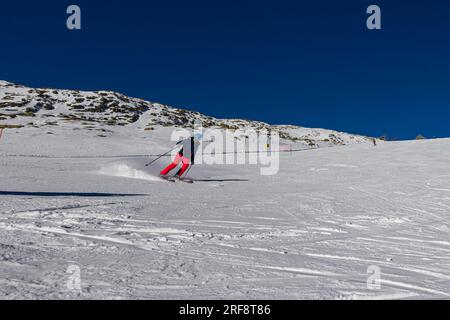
105	114
317	230
75	194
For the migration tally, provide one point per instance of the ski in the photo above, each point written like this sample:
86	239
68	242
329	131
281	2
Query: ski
182	180
185	180
174	179
165	178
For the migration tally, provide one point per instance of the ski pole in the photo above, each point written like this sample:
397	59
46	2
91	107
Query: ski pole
150	163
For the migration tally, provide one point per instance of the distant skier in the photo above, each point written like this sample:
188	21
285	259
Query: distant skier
186	156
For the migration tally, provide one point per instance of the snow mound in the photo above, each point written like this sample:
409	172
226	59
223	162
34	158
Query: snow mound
125	170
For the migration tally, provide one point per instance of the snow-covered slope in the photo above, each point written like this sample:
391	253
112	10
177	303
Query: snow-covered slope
311	232
105	114
75	193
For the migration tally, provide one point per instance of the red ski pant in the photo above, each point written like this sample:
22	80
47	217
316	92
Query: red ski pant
175	163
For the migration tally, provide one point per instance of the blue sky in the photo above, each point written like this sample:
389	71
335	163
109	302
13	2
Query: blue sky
310	63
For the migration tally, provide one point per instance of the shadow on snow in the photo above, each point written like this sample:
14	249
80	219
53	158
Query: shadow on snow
68	194
218	180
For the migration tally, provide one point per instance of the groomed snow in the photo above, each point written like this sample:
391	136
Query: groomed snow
310	232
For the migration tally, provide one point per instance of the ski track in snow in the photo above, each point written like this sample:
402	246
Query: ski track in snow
309	232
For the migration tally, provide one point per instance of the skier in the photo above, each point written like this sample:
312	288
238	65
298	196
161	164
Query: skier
186	156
